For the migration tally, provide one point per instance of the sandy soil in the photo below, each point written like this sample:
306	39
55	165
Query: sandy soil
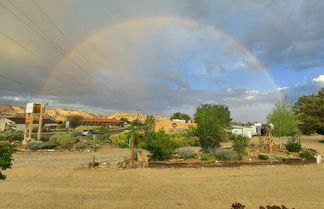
59	180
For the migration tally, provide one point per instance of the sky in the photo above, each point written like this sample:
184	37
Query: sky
161	57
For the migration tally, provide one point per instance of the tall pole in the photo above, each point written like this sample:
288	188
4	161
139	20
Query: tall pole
40	121
31	126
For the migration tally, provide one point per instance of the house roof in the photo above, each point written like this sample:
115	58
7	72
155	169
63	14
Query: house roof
22	121
101	120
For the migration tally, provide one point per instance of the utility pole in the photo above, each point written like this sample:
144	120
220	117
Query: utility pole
40	121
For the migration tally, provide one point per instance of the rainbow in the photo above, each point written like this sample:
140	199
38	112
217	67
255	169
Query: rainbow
162	19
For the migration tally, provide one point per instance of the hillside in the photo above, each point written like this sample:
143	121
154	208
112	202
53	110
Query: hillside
57	114
133	116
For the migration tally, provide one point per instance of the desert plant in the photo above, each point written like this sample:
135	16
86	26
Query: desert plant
263	157
65	140
222	154
261	142
11	135
44	138
187	152
6	151
160	145
240	143
306	154
120	140
49	146
293	144
206	156
79	146
104	134
34	145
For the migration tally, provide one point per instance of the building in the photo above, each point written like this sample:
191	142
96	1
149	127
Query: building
173	126
101	121
242	130
19	124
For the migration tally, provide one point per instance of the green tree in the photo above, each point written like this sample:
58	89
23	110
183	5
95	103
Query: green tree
283	119
149	125
104	133
212	121
180	116
75	120
309	110
240	143
6	151
124	120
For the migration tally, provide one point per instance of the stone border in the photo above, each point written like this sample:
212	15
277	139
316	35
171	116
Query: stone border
287	161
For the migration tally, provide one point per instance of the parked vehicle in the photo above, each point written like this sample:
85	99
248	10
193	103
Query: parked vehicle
88	132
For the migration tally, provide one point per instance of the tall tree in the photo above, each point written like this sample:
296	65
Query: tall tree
212	121
180	116
75	120
309	110
283	119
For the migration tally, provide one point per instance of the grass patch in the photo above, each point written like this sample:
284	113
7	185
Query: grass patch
321	141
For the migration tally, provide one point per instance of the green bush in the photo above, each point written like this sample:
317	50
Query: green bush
34	145
187	152
79	145
44	138
160	145
293	145
306	154
6	151
65	140
103	134
206	157
120	140
185	139
240	143
263	157
321	141
49	146
11	135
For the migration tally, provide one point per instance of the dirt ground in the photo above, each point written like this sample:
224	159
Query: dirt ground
59	180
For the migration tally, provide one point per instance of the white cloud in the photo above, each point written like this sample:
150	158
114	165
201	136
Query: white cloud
319	79
282	88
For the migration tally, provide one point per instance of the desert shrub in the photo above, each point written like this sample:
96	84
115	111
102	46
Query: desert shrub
306	154
160	145
263	157
11	135
6	151
321	141
187	152
120	140
252	145
44	138
240	143
79	145
138	136
261	142
65	140
34	145
185	138
49	146
293	144
206	156
103	134
222	154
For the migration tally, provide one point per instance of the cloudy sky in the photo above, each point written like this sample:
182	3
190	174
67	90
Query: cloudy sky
161	56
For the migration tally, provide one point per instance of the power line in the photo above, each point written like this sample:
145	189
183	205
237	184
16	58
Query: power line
60	30
40	34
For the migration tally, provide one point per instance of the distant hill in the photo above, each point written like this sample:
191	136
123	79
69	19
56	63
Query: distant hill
57	114
133	116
